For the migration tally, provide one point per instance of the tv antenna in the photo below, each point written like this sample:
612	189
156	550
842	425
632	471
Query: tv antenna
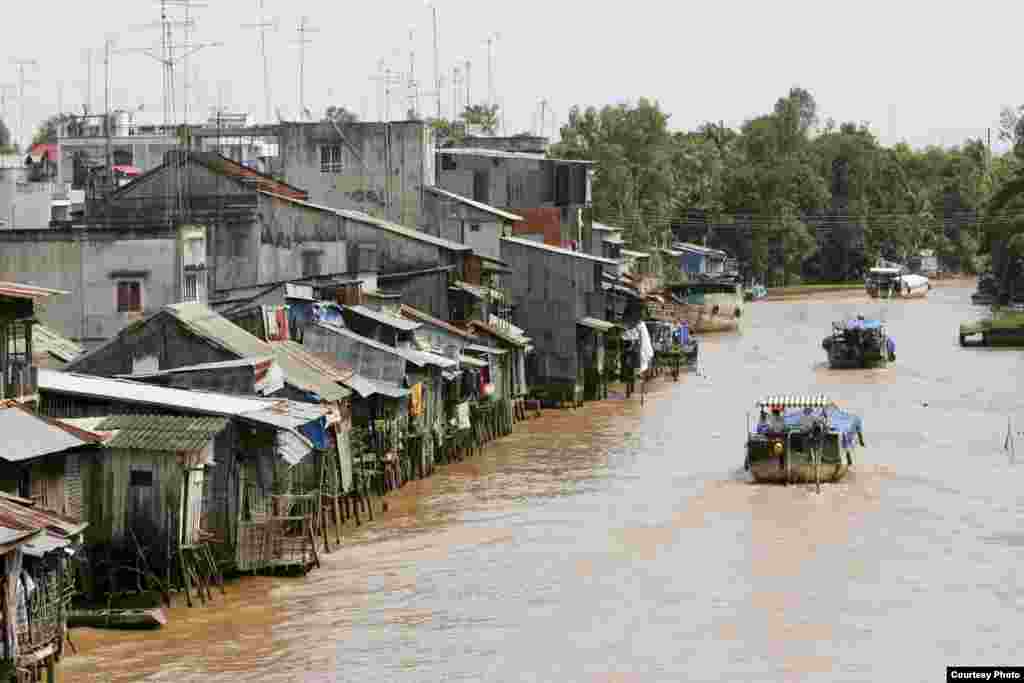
21	65
388	80
491	40
263	25
302	42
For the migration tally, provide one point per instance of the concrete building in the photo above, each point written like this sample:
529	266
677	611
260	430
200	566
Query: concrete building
551	195
464	220
558	297
113	276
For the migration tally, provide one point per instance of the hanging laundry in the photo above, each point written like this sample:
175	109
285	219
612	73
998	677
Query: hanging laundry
462	415
416	399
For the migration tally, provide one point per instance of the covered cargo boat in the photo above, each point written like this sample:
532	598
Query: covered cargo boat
806	439
710	304
859	343
890	281
1002	329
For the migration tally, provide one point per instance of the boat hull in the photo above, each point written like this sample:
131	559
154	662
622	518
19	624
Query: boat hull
802	473
129	619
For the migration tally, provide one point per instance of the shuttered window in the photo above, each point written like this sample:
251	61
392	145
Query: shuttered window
129	297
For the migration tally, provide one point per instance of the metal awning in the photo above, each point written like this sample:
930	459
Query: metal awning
398	323
596	324
477	348
473	362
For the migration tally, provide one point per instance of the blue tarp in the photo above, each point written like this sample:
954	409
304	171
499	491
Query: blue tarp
847	424
863	324
682	334
316	431
890	346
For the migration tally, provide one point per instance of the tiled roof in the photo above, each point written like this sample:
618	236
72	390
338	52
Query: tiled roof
161	432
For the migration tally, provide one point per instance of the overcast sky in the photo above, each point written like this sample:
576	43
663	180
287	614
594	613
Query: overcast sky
923	72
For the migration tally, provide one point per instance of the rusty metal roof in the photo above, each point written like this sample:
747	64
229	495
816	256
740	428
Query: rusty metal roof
161	432
387	319
22	291
413	313
58	531
28	436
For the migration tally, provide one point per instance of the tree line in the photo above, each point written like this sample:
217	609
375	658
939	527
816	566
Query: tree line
795	198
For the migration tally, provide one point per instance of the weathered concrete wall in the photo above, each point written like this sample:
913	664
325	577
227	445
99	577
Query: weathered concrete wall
454	220
551	292
144	152
289	231
92	262
427	292
364	182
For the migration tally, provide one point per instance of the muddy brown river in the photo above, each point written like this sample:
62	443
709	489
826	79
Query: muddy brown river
622	542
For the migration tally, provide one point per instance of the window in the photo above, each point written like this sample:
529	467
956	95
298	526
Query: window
190	286
140	478
330	159
367	258
474	227
129	297
481	186
310	263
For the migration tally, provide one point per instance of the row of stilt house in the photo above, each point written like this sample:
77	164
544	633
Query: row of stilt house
198	443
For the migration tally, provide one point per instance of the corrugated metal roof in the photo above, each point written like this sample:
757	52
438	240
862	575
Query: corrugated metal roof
422	358
473	362
501	154
377	222
368	387
635	254
559	250
293	447
385	318
493	331
28	436
161	432
417	314
46	340
239	363
596	324
479	291
698	249
601	226
139	392
276	413
487	208
12	538
19	516
18	290
614	240
210	325
486	349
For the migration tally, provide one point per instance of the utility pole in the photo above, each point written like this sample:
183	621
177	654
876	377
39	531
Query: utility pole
302	42
22	82
469	99
263	25
543	117
412	84
455	92
387	78
88	80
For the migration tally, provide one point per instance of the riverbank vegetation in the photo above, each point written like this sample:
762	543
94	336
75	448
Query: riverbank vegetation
794	198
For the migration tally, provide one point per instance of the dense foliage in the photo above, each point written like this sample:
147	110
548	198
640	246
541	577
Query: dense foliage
793	197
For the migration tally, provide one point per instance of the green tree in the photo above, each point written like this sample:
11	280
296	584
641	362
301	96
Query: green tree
49	129
5	136
340	115
482	115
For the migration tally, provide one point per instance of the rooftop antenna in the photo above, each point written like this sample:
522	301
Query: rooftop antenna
387	78
302	42
21	64
469	66
437	68
263	25
412	84
543	117
456	84
491	40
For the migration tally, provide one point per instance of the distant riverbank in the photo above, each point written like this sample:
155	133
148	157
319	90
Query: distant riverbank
779	293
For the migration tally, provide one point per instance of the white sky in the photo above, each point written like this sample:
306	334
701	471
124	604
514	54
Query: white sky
924	72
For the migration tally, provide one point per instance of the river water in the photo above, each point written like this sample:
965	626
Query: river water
621	542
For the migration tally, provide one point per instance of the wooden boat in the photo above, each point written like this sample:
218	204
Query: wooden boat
153	617
711	305
806	440
669	353
894	282
1002	329
859	343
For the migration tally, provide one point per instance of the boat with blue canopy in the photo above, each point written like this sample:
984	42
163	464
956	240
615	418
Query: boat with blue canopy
859	343
802	439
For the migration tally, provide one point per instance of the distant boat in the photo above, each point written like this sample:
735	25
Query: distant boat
806	439
1002	329
755	292
893	282
711	305
859	343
